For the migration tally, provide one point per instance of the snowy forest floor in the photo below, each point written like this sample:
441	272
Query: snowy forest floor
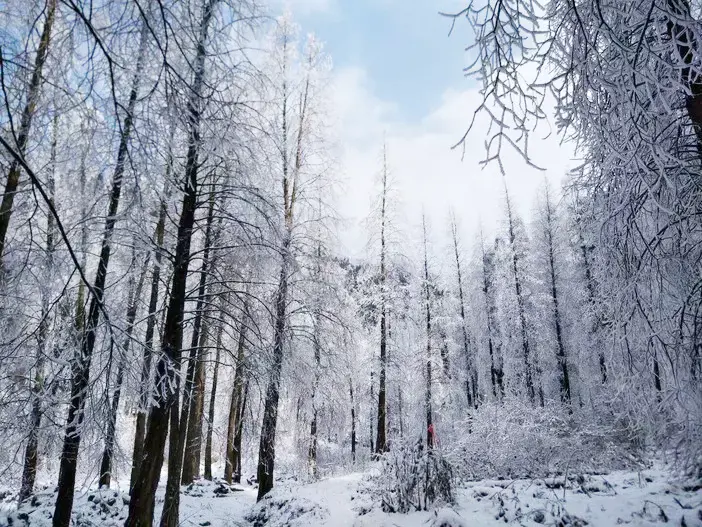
648	497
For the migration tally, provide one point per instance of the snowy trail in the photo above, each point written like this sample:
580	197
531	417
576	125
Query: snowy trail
331	503
647	498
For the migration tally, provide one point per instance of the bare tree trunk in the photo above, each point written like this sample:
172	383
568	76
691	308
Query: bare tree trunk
213	393
193	396
657	376
381	440
230	473
561	352
238	435
29	469
312	453
80	377
370	421
141	505
33	92
427	393
496	373
132	306
353	423
193	445
266	454
145	392
529	381
400	411
471	376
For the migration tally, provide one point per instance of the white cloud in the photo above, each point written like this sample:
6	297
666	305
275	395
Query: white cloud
302	7
428	173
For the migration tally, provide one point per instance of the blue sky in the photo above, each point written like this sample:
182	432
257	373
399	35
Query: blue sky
398	77
403	45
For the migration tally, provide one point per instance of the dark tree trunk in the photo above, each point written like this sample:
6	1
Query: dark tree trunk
230	473
193	396
30	106
496	373
266	453
193	444
240	433
591	300
561	352
657	376
471	382
427	393
529	381
400	411
370	421
381	440
312	453
353	423
141	505
80	374
145	393
213	392
132	305
29	469
696	349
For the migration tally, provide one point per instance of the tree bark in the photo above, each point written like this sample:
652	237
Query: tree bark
317	346
427	393
238	435
471	383
213	392
381	440
370	421
141	505
561	352
312	453
529	381
193	396
400	411
30	106
132	306
145	391
80	375
266	453
230	473
353	423
496	372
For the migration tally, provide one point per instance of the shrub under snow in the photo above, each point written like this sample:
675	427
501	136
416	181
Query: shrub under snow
516	440
413	478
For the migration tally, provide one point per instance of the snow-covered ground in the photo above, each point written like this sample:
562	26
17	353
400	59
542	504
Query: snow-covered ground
649	497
